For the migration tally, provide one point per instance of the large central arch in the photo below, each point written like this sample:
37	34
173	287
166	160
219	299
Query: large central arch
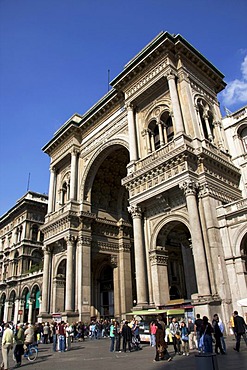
111	231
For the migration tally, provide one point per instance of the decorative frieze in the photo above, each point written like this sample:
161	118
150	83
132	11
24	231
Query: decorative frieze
149	76
158	256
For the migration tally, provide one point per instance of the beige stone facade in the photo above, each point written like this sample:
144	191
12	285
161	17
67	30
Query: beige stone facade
141	191
21	257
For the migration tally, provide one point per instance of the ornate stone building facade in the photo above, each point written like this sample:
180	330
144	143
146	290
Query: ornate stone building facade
153	148
141	194
21	258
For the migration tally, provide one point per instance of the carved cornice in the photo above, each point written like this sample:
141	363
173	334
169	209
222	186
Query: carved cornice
162	168
99	246
158	256
145	80
61	224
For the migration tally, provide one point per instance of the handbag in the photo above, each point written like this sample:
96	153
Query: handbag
185	337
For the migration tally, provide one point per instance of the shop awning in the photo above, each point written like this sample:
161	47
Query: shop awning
145	312
175	311
172	311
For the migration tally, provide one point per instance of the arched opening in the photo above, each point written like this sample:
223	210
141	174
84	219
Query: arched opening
109	202
60	283
166	121
36	260
26	296
15	263
35	231
12	299
2	306
243	251
106	292
35	295
243	136
175	238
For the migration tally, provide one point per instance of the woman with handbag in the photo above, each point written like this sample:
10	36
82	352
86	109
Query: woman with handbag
206	337
185	339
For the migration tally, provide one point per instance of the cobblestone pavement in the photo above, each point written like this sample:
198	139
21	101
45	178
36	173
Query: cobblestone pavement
95	355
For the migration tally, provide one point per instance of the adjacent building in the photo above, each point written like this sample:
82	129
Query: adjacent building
21	258
147	198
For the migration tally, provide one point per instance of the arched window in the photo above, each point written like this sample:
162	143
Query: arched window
166	121
243	252
15	267
160	132
206	117
65	193
35	231
243	136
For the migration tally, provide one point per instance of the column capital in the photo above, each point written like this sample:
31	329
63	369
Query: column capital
70	239
53	168
75	151
170	75
46	249
135	211
158	256
189	187
129	106
114	261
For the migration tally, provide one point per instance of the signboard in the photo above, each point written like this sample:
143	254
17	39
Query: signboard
57	317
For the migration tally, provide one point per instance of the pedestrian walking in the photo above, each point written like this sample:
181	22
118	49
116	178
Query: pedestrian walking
7	344
239	330
217	335
19	349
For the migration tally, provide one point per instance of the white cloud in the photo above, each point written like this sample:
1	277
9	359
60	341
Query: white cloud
236	90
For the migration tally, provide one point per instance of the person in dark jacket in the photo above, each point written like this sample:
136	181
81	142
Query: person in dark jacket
239	329
19	350
206	331
217	335
127	336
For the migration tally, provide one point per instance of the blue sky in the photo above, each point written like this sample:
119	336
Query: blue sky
54	62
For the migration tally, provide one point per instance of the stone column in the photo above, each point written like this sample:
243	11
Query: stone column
73	175
158	259
6	311
140	262
161	134
179	126
201	268
116	285
46	280
210	136
30	310
69	302
132	134
51	200
16	310
84	276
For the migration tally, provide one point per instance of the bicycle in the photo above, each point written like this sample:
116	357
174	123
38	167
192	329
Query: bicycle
31	352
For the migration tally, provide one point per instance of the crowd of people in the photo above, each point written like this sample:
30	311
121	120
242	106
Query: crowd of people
184	335
202	335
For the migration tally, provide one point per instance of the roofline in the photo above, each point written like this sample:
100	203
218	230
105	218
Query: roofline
20	201
157	41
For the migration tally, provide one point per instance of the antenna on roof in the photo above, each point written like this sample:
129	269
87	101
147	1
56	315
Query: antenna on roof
108	84
28	181
228	112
